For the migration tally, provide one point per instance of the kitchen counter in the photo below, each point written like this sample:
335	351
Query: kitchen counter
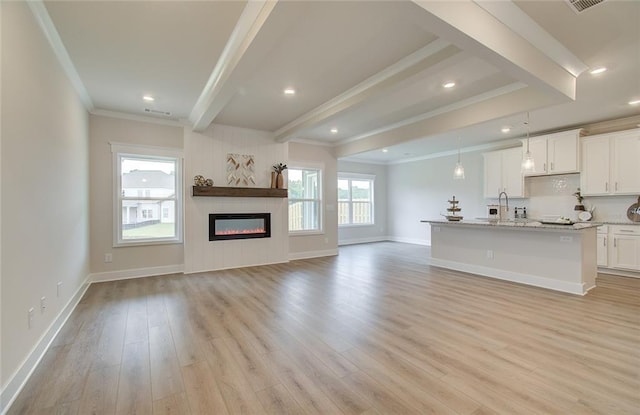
527	225
557	257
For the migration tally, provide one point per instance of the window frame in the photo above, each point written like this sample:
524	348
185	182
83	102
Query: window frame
320	169
357	177
120	151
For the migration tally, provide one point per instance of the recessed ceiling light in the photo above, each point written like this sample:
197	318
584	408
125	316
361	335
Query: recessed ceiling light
289	91
596	71
384	150
334	130
148	98
506	129
449	84
634	102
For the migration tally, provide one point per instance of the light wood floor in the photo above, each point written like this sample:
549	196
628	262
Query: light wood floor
372	331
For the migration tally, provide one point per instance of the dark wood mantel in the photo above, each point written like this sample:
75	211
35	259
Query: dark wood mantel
217	191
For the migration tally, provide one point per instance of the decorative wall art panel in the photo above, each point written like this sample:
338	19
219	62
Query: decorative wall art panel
240	170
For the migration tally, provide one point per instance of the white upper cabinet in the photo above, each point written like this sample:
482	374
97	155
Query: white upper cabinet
611	164
625	166
538	150
555	153
502	173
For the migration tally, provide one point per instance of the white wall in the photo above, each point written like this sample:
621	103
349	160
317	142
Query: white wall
134	260
325	243
45	196
205	154
377	231
420	190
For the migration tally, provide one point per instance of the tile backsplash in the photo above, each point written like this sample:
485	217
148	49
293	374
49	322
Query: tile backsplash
553	195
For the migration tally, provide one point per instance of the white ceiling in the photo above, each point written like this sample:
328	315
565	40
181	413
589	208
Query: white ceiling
373	70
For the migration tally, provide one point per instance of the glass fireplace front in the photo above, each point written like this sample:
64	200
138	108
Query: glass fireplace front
225	226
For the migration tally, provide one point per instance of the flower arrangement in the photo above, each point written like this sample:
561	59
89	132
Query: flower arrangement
279	168
578	196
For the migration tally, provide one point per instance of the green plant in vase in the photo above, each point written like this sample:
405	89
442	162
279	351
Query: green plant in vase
278	169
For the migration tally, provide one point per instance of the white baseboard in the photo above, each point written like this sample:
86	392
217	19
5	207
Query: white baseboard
24	372
195	271
619	272
312	254
537	281
136	273
415	241
362	240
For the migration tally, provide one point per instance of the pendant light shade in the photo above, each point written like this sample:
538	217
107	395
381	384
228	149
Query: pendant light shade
458	171
528	163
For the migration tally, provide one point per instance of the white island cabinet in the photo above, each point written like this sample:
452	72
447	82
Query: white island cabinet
558	257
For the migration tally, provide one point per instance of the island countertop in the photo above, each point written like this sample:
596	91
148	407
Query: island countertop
520	225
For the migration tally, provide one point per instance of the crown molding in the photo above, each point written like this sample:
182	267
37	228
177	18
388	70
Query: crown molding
53	37
141	118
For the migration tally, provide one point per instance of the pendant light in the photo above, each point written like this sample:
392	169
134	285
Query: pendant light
528	164
458	171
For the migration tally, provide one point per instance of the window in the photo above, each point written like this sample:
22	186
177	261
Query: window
148	195
305	200
355	199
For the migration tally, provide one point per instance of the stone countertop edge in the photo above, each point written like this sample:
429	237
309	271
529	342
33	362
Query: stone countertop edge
516	225
598	222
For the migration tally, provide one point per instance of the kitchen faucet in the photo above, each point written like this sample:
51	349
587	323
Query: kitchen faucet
500	205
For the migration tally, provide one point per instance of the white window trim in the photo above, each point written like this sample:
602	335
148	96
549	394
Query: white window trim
298	165
161	153
360	176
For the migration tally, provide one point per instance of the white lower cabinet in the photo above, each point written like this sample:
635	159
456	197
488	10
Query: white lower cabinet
602	246
625	250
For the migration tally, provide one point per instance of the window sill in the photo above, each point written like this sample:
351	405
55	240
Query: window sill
147	243
306	233
356	225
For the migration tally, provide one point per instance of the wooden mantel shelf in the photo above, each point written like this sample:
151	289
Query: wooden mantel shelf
217	191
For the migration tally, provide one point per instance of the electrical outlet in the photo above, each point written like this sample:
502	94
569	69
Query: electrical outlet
566	239
108	257
59	289
43	304
30	318
326	240
489	254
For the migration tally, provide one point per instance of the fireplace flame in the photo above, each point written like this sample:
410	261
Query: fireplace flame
239	231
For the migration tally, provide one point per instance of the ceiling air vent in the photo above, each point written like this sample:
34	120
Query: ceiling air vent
579	6
152	111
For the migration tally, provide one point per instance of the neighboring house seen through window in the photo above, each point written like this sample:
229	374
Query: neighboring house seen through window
148	196
355	199
305	200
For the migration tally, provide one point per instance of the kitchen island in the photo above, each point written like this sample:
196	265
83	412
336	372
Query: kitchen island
558	257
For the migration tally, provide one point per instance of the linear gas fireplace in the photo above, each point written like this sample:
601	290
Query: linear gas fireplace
224	226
